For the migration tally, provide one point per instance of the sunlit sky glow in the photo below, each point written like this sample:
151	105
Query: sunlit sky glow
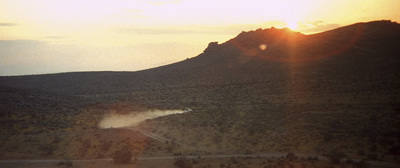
50	36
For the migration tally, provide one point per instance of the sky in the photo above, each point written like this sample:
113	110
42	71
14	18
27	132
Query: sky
53	36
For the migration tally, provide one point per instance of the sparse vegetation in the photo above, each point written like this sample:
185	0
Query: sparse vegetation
122	156
290	156
67	163
241	105
182	162
335	156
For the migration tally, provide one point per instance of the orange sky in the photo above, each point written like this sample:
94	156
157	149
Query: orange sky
38	36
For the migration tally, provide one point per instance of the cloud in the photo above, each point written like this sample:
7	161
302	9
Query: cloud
137	13
307	27
232	29
54	37
154	31
7	24
311	27
173	31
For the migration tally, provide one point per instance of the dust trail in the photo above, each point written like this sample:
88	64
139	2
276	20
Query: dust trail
124	120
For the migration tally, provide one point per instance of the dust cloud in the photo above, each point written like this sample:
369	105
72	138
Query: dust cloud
132	119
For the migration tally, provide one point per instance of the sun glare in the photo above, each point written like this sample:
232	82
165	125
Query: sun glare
291	24
263	47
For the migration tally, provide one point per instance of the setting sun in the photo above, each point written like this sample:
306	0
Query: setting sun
292	24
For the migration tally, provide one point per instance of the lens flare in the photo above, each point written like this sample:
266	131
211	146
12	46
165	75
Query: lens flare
263	47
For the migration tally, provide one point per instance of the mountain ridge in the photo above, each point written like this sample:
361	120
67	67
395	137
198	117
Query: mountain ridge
336	91
241	55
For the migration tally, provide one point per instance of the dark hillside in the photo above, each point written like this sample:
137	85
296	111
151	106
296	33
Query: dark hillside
268	90
363	45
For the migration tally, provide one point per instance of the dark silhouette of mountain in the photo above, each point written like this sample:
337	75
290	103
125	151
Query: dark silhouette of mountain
363	45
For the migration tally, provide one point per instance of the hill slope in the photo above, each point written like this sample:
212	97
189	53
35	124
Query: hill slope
364	45
269	90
